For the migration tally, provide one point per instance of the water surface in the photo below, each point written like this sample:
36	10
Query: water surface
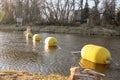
20	53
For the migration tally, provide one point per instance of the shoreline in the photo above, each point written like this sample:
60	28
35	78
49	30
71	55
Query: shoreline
83	30
25	75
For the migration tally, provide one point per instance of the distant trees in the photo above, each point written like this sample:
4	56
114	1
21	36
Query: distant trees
60	11
118	16
8	8
2	15
105	14
85	12
95	12
109	12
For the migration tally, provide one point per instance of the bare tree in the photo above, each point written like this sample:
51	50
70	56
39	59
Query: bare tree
56	11
118	16
85	12
8	7
59	11
109	11
95	15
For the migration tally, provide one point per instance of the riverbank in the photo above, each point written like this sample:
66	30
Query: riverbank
24	75
83	29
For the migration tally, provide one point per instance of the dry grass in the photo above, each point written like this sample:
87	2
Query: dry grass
24	75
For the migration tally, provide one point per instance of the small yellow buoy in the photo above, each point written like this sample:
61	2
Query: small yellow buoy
51	41
96	54
29	35
25	33
37	37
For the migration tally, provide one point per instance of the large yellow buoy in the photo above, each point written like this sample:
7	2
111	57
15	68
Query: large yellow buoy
37	37
51	41
29	35
90	65
96	54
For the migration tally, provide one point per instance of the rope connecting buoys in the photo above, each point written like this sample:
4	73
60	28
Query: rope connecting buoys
51	41
96	54
37	37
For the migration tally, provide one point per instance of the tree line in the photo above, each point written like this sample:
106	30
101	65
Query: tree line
62	12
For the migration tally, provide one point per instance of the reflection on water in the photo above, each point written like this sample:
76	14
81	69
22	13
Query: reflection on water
20	53
36	45
51	49
98	67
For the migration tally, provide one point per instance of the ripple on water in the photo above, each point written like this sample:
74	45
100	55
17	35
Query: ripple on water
19	53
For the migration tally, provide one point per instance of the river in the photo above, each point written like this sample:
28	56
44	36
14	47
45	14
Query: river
20	53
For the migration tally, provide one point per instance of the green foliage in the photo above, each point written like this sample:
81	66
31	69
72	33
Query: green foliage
2	14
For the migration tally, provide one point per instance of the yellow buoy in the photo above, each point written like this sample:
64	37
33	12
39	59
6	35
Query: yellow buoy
29	35
51	41
37	37
90	65
96	54
25	33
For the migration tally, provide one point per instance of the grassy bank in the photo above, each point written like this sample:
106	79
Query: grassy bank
83	29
